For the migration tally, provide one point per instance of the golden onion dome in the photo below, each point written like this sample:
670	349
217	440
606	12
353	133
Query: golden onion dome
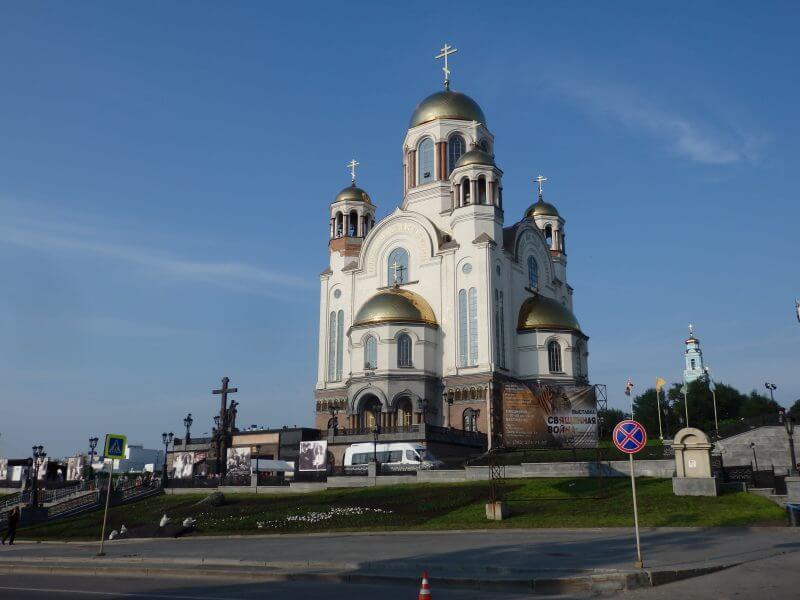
539	312
475	157
541	209
353	194
447	105
395	305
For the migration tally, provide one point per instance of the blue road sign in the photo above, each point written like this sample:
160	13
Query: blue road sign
629	436
115	446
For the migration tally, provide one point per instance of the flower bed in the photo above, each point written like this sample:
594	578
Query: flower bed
315	518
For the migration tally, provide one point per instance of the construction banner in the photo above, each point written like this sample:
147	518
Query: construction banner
548	416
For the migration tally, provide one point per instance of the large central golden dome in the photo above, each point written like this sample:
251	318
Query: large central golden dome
539	312
395	305
447	105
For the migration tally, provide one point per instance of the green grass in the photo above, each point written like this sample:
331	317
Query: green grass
533	502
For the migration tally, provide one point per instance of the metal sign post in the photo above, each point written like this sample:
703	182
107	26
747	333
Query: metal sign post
114	449
630	437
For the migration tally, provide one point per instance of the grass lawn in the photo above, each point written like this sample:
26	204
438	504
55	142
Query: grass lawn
533	503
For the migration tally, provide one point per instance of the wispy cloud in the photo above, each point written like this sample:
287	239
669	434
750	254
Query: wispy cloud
58	237
691	138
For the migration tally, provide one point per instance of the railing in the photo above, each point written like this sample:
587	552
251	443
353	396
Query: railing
79	502
235	480
132	491
267	480
5	483
731	428
14	499
51	496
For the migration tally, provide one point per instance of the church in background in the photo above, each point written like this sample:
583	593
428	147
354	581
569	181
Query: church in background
426	315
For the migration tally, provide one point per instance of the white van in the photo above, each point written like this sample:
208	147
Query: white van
396	456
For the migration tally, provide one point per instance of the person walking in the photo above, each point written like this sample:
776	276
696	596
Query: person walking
13	519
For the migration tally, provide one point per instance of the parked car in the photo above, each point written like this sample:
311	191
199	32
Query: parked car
395	456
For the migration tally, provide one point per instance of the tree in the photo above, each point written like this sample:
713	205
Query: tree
794	411
607	419
645	410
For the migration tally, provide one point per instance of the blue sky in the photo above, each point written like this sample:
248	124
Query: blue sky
166	169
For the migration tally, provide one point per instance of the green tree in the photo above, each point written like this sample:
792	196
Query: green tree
607	419
794	411
645	410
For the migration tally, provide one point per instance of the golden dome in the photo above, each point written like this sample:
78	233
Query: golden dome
541	209
475	157
539	312
447	105
396	305
353	194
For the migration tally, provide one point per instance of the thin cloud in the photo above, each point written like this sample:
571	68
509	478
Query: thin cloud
59	237
689	138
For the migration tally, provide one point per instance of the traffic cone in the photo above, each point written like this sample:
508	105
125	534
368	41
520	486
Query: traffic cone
425	590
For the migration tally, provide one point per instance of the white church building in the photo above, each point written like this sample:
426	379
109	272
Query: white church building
428	313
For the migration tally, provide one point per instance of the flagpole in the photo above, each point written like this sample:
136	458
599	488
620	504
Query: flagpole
686	405
658	410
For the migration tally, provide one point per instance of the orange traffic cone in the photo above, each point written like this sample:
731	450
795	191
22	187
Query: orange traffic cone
425	590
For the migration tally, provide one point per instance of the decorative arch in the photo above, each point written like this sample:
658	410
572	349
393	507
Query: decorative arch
530	240
412	231
362	393
400	274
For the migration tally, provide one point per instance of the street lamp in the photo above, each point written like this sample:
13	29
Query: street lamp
788	424
92	445
258	453
376	430
167	439
187	422
39	456
713	389
771	387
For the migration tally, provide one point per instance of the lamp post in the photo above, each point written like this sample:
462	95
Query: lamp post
92	445
258	453
187	422
755	460
771	387
376	430
167	439
713	389
788	424
39	456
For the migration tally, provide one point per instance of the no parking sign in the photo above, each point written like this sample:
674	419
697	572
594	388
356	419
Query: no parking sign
629	436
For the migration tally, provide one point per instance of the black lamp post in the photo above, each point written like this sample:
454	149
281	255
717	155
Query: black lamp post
92	445
771	387
788	424
376	430
167	439
187	422
39	455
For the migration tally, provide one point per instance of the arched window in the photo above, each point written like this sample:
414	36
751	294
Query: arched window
470	420
456	146
554	357
352	224
425	158
404	350
370	353
693	365
397	266
338	226
332	347
548	235
404	412
483	145
339	344
533	273
468	327
481	190
578	360
500	329
466	191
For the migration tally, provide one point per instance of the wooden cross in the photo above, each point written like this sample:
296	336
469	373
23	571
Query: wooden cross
446	51
223	409
398	267
540	180
352	166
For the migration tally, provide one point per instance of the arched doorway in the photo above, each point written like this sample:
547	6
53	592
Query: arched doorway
369	405
404	412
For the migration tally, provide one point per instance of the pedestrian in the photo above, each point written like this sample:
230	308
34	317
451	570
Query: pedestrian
13	519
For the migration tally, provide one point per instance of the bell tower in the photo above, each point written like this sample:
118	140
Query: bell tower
352	216
694	358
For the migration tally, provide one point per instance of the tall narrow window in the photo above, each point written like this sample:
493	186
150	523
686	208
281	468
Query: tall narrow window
397	267
404	350
332	347
579	360
548	235
554	356
339	344
370	353
473	326
463	337
426	172
470	420
533	273
455	148
502	331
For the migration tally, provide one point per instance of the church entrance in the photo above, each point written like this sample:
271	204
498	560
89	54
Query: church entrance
404	413
370	405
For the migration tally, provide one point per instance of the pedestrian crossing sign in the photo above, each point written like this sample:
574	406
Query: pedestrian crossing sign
115	445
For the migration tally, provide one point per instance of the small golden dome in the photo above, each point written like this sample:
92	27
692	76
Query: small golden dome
539	312
395	305
447	105
353	194
475	156
541	209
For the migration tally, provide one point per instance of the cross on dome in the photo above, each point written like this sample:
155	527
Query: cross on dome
352	166
446	51
398	272
539	181
691	330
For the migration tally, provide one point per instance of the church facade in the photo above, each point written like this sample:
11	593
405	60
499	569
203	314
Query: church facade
427	314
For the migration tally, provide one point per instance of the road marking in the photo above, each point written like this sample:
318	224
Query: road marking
116	594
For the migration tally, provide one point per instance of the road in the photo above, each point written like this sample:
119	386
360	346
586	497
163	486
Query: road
776	578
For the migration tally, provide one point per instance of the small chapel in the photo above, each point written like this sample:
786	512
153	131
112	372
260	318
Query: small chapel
427	314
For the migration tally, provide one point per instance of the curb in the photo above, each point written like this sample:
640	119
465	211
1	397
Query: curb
604	583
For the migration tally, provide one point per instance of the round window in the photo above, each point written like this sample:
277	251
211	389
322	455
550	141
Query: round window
466	269
337	294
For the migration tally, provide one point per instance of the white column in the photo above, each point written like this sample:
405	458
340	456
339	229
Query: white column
473	191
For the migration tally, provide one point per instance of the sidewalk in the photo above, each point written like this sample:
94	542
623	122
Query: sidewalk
545	561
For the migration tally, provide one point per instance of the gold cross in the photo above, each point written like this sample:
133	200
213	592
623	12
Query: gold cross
540	180
446	51
352	166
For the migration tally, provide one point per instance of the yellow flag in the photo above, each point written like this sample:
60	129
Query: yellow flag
660	383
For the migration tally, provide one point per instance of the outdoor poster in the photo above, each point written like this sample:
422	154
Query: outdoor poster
182	465
75	467
3	469
16	473
549	416
42	469
239	461
313	456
